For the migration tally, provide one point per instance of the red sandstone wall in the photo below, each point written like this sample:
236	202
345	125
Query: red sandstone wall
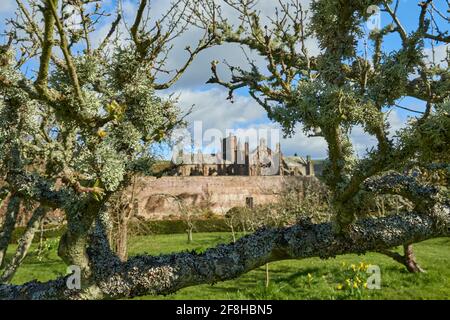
221	193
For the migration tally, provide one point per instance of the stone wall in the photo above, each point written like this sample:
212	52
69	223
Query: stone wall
159	198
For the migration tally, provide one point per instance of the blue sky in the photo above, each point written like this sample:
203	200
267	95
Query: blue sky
212	107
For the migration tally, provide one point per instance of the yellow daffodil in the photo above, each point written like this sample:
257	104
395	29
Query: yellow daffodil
355	285
365	285
363	266
339	286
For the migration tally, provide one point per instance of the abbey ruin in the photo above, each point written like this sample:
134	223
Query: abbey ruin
236	159
234	177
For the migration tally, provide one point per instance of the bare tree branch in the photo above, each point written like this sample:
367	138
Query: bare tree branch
64	45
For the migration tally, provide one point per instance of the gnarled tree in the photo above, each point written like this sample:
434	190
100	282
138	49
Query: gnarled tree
341	87
90	117
75	134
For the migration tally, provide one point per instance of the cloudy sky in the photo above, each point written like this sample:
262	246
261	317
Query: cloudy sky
209	103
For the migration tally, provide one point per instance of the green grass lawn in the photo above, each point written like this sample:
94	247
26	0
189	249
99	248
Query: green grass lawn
294	279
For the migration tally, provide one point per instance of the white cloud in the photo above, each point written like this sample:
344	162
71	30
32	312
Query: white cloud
302	145
317	147
216	112
199	72
438	56
396	122
364	142
211	106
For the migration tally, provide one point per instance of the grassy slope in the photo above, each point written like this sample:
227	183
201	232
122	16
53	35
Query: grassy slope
289	279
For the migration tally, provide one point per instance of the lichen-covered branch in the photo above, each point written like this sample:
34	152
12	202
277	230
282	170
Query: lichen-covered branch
24	245
423	196
8	225
37	188
47	45
165	274
64	45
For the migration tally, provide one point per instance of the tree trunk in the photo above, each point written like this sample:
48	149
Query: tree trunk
233	233
189	235
24	244
407	259
73	244
410	260
9	223
122	239
165	274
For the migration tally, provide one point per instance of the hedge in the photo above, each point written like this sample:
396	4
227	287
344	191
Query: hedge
150	226
179	226
51	233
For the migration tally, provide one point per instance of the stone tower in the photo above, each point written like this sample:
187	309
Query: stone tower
309	166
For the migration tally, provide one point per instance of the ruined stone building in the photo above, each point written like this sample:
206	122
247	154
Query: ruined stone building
159	198
237	160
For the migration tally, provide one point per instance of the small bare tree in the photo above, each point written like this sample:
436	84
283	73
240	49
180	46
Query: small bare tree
122	209
24	242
